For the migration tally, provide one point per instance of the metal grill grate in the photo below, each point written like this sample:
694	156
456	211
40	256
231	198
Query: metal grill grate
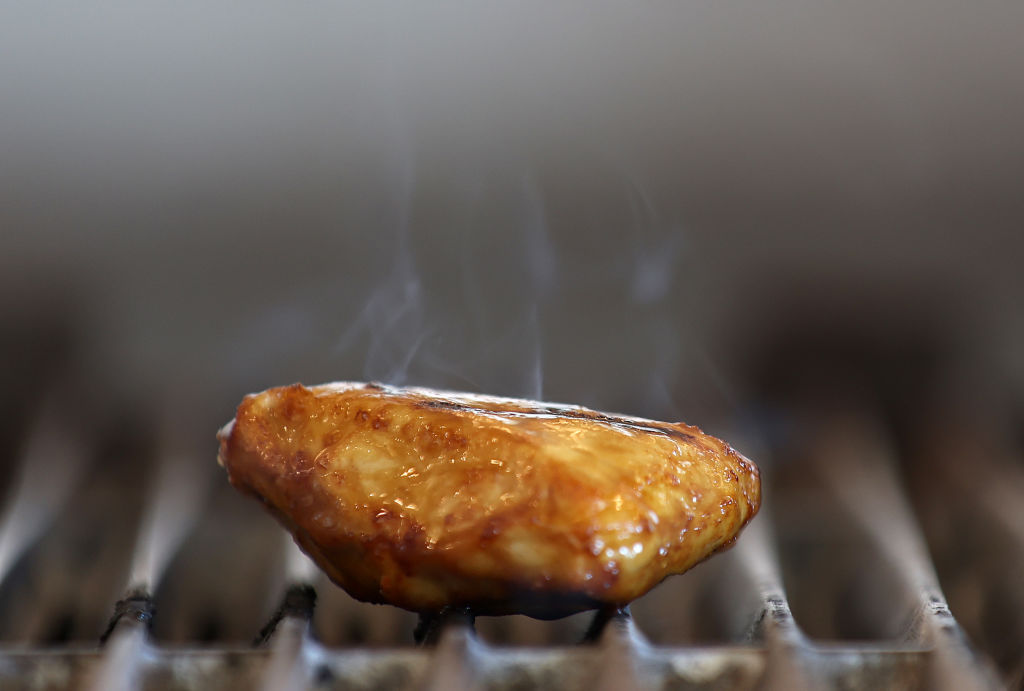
841	582
833	586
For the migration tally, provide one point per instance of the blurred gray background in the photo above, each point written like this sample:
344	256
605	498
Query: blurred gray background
637	206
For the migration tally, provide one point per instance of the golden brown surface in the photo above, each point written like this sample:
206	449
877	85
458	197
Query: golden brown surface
425	499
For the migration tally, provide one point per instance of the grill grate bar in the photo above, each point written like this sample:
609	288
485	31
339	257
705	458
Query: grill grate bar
758	555
287	669
287	635
861	475
452	666
121	666
788	662
993	481
50	468
621	652
173	508
135	607
789	656
970	492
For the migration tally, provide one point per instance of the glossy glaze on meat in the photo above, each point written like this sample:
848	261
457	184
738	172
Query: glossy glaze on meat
425	499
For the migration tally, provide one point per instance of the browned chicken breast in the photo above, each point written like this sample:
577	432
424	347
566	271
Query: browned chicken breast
425	499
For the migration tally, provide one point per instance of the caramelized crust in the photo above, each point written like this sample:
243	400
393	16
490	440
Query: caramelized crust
425	499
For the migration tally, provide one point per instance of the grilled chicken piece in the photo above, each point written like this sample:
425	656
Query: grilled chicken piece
425	499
